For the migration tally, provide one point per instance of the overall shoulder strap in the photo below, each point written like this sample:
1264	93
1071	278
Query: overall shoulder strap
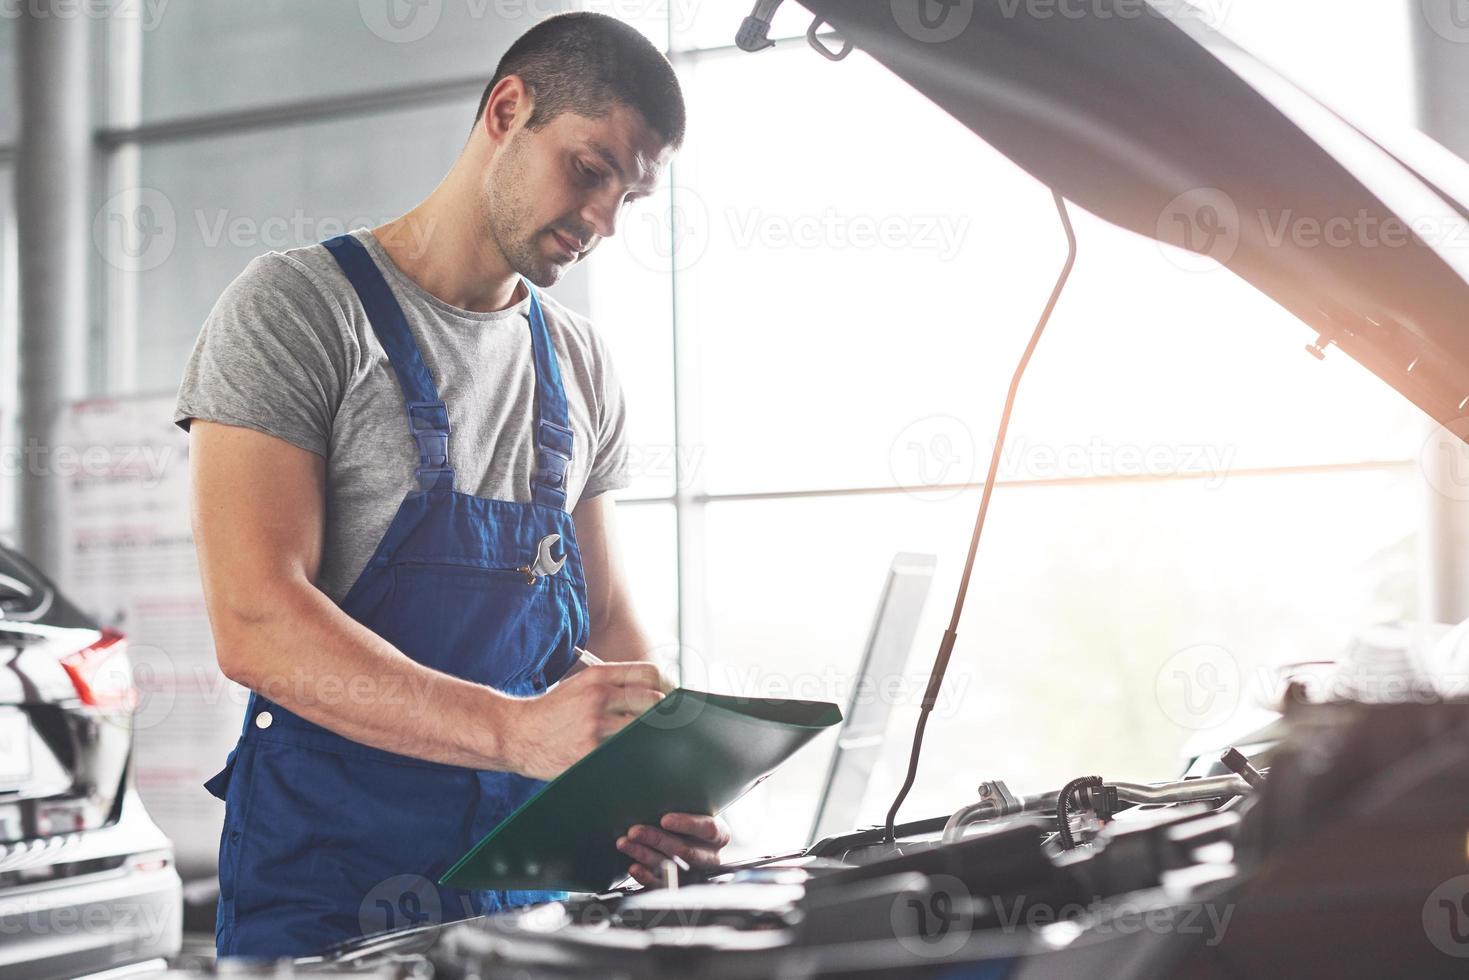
428	416
553	422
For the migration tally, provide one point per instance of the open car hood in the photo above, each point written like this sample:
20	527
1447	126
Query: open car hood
1158	124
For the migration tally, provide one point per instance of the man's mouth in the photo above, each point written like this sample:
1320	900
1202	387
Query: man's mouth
569	245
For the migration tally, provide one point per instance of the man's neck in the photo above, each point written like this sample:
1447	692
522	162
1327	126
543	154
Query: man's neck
450	258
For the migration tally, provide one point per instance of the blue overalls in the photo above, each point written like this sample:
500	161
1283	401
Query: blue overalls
325	839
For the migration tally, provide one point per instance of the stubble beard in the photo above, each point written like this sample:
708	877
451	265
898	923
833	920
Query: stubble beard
507	222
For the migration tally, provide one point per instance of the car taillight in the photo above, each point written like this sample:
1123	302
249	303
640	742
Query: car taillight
101	673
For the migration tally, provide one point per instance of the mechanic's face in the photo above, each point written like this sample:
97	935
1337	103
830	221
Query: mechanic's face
558	191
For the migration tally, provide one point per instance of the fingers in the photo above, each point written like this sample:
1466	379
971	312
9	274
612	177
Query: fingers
705	828
610	724
652	846
641	853
644	876
639	673
632	700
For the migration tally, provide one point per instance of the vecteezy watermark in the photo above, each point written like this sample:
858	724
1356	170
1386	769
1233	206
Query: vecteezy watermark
1206	226
677	235
1211	12
1444	459
671	238
1446	917
1024	459
406	21
832	229
933	457
149	13
937	21
282	231
400	21
1351	682
754	682
1199	686
1108	917
936	922
932	21
147	923
144	465
678	14
401	902
1449	19
136	229
656	462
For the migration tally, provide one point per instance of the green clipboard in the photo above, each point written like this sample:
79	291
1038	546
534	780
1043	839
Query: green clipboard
693	752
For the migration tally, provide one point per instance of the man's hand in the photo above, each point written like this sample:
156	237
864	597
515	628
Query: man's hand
546	734
697	839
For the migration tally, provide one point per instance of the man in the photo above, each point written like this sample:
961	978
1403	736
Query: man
401	451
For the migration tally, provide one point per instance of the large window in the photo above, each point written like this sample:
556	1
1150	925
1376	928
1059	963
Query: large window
1187	497
9	351
854	276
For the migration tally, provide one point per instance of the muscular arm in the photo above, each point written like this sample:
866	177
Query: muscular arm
258	505
617	635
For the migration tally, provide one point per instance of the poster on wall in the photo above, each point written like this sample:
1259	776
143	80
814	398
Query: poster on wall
129	561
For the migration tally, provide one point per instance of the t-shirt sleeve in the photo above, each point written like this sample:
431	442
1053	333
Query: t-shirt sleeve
270	357
611	469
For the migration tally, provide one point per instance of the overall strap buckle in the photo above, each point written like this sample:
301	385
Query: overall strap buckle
429	424
553	462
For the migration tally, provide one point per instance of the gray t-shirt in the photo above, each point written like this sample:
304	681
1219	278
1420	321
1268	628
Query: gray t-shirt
287	350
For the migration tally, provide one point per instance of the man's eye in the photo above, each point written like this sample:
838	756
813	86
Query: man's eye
587	173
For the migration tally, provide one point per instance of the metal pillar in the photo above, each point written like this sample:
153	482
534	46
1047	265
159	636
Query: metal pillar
52	189
1441	50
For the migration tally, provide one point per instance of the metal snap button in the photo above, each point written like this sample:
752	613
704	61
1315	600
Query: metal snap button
263	720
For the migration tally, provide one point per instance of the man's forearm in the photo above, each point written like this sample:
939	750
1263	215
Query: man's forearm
297	648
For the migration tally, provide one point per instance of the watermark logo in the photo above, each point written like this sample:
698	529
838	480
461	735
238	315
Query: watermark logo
149	672
932	21
1102	917
148	13
671	238
932	457
400	21
1449	19
936	924
136	229
1207	226
400	902
1444	460
694	672
1446	917
941	234
1204	224
1198	687
145	465
1211	12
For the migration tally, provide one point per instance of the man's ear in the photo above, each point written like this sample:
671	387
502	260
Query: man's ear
510	105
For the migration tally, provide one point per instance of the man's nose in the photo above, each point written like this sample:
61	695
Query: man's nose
602	214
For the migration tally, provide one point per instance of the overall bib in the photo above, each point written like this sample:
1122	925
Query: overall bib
325	839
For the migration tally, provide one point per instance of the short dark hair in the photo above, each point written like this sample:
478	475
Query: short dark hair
584	62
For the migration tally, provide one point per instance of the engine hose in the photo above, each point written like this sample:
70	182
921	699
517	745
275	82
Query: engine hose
1063	807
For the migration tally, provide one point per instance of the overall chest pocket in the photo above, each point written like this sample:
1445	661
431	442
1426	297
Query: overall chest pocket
488	625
